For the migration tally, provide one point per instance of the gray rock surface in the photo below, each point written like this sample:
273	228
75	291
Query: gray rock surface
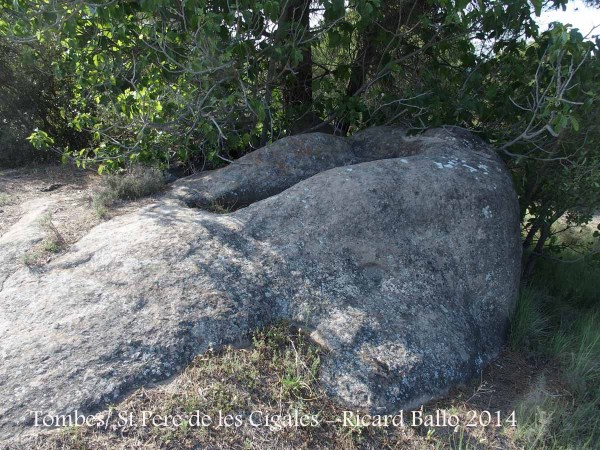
276	167
404	268
21	237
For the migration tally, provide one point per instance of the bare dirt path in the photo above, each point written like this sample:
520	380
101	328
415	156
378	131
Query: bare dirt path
64	194
69	191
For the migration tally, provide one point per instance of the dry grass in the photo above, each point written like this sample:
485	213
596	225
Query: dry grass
138	182
53	243
68	193
5	199
17	186
219	207
278	377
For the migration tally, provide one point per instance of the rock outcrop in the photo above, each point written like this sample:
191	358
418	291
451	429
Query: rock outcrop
399	254
276	167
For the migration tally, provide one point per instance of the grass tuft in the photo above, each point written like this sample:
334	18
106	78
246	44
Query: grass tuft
219	208
53	242
529	324
138	182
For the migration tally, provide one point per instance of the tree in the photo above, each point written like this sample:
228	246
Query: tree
30	97
159	79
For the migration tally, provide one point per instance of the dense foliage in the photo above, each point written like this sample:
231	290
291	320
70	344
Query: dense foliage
198	81
30	97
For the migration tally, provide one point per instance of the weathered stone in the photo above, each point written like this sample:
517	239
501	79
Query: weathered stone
404	268
276	167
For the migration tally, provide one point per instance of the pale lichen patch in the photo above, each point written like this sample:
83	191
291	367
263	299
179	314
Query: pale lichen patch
484	168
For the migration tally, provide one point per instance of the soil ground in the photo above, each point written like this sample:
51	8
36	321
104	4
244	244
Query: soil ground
67	190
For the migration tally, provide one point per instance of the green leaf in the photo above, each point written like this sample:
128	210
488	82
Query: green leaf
537	5
296	56
574	123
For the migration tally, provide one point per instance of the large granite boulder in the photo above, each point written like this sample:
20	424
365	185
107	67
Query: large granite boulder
400	254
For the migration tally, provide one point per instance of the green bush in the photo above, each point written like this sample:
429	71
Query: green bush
575	279
15	151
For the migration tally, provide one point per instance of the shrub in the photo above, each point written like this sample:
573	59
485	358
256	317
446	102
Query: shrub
32	97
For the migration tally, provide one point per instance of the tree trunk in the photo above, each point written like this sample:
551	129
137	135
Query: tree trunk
394	17
535	227
545	227
297	89
531	259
